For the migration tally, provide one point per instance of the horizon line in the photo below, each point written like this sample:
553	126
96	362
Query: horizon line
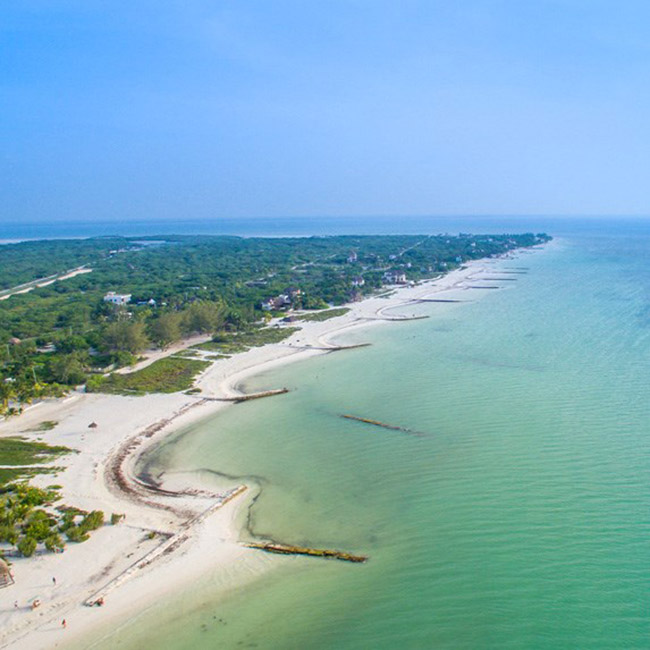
329	216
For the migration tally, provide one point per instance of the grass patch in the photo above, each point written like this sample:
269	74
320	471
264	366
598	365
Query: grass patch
187	353
324	315
262	336
18	451
46	425
223	348
8	475
227	343
11	474
168	375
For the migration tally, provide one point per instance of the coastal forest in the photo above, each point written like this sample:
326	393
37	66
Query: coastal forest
73	310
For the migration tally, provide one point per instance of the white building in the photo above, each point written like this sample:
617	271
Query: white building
117	298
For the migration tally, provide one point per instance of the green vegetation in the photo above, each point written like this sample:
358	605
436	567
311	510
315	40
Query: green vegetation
18	451
261	336
323	315
55	337
224	348
187	353
46	425
28	519
116	518
167	375
77	531
23	453
8	475
28	261
228	343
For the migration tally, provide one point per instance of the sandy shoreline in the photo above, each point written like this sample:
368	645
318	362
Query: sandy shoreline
174	530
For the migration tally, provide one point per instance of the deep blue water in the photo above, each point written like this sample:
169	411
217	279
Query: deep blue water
305	226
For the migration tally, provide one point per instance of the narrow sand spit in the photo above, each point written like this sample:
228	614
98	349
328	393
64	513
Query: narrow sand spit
175	531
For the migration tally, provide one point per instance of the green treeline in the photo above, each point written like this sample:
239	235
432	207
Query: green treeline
57	336
28	261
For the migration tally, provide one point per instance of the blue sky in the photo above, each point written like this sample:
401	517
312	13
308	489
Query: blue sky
206	109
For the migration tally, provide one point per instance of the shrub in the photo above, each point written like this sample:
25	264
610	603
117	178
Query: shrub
67	521
54	542
8	534
76	534
92	521
27	546
39	525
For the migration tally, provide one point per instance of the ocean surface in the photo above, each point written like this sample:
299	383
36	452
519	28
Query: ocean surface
520	519
303	226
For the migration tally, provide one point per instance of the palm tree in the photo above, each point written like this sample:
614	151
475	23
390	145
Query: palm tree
7	392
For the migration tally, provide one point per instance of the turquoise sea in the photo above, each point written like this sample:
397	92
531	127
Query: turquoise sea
520	520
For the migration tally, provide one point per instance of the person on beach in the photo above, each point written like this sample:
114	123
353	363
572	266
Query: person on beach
63	624
54	581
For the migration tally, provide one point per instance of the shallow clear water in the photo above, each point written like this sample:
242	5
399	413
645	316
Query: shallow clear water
520	520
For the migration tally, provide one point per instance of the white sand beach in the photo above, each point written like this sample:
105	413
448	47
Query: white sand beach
174	531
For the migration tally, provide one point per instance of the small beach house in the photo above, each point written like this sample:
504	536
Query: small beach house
117	298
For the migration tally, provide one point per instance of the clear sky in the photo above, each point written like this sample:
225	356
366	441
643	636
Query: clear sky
217	108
